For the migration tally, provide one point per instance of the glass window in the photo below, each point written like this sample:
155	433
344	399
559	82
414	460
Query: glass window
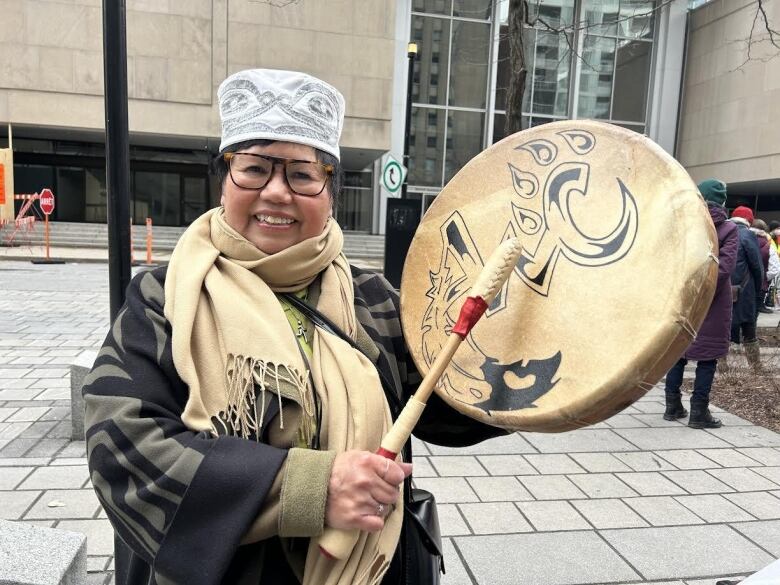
601	16
426	123
195	198
466	129
469	64
596	72
29	179
636	18
355	209
632	74
432	6
472	8
423	79
71	194
157	195
499	123
556	14
551	75
96	208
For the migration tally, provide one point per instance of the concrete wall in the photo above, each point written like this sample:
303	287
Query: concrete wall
51	64
729	122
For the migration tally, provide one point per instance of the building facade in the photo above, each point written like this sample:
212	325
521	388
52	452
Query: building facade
621	61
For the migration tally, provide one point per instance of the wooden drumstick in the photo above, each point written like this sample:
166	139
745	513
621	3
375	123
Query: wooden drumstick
337	544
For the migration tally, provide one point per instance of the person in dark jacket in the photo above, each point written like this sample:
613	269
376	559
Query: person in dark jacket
712	340
749	278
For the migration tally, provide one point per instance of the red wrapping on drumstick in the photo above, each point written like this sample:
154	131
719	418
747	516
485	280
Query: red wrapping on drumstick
473	308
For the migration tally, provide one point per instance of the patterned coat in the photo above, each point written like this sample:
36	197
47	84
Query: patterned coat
749	274
712	340
181	501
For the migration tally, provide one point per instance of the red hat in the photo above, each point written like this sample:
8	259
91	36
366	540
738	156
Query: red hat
743	212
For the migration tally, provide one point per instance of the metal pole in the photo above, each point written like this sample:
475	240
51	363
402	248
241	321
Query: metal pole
117	150
411	53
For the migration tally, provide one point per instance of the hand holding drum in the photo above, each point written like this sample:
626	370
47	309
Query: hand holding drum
338	543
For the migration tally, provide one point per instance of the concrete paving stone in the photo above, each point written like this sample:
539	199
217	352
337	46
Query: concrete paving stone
714	580
57	413
650	483
97	579
70	477
494	518
100	535
499	489
97	564
79	504
537	557
38	430
554	464
697	481
600	462
662	511
450	490
454	465
677	552
763	455
553	516
13	504
63	461
656	420
27	403
506	465
11	430
728	457
624	421
23	461
551	487
61	351
456	573
14	373
48	383
14	384
3	443
79	449
18	447
752	436
61	403
579	441
609	514
602	485
47	447
732	420
54	394
13	476
743	480
422	467
510	444
765	533
19	393
29	361
686	459
6	412
762	505
62	430
650	406
451	521
771	473
714	508
54	372
652	439
419	447
644	461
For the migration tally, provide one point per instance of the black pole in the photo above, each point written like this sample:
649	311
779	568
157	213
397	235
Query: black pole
411	55
117	150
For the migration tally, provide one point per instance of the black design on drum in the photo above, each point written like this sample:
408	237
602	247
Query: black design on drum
550	220
518	384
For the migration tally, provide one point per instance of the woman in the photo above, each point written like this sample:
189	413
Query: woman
225	431
712	340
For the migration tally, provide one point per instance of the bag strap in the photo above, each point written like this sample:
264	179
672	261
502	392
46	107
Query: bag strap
326	324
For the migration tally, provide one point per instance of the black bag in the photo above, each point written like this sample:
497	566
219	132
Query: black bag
422	558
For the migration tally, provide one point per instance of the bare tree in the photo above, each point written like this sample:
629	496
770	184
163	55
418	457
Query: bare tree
521	18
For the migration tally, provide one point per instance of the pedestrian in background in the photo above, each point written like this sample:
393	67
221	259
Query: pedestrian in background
746	280
771	264
712	340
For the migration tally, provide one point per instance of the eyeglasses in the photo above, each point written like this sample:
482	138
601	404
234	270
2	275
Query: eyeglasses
253	171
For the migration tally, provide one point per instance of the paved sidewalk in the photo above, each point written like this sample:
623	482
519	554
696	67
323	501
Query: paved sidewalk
635	499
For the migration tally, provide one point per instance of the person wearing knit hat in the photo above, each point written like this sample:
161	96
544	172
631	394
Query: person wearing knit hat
712	339
747	282
228	426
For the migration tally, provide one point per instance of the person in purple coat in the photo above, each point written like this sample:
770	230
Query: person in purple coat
712	340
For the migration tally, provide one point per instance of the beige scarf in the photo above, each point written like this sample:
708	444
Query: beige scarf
232	343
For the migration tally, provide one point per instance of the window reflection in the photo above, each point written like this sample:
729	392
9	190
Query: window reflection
596	77
601	16
430	67
425	161
469	74
157	195
432	6
636	18
472	8
632	75
551	74
466	130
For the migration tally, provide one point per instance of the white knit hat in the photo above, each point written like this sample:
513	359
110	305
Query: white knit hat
269	104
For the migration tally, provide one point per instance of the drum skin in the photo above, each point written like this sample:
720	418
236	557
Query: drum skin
618	270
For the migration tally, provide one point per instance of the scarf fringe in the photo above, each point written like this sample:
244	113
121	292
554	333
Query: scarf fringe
240	416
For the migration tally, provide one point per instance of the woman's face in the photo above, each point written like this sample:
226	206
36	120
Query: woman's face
274	218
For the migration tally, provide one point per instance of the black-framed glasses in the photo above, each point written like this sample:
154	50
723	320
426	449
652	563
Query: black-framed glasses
253	171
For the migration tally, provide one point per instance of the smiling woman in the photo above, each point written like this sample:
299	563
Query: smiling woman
216	408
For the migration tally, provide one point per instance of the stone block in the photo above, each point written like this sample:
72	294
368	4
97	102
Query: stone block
608	514
552	516
580	441
494	518
78	371
33	555
453	465
499	489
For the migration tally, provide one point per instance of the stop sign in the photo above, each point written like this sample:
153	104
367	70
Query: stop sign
46	201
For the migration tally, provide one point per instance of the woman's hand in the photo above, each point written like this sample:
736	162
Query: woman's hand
362	488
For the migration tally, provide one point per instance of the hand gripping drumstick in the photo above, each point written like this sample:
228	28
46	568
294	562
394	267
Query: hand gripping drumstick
338	543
